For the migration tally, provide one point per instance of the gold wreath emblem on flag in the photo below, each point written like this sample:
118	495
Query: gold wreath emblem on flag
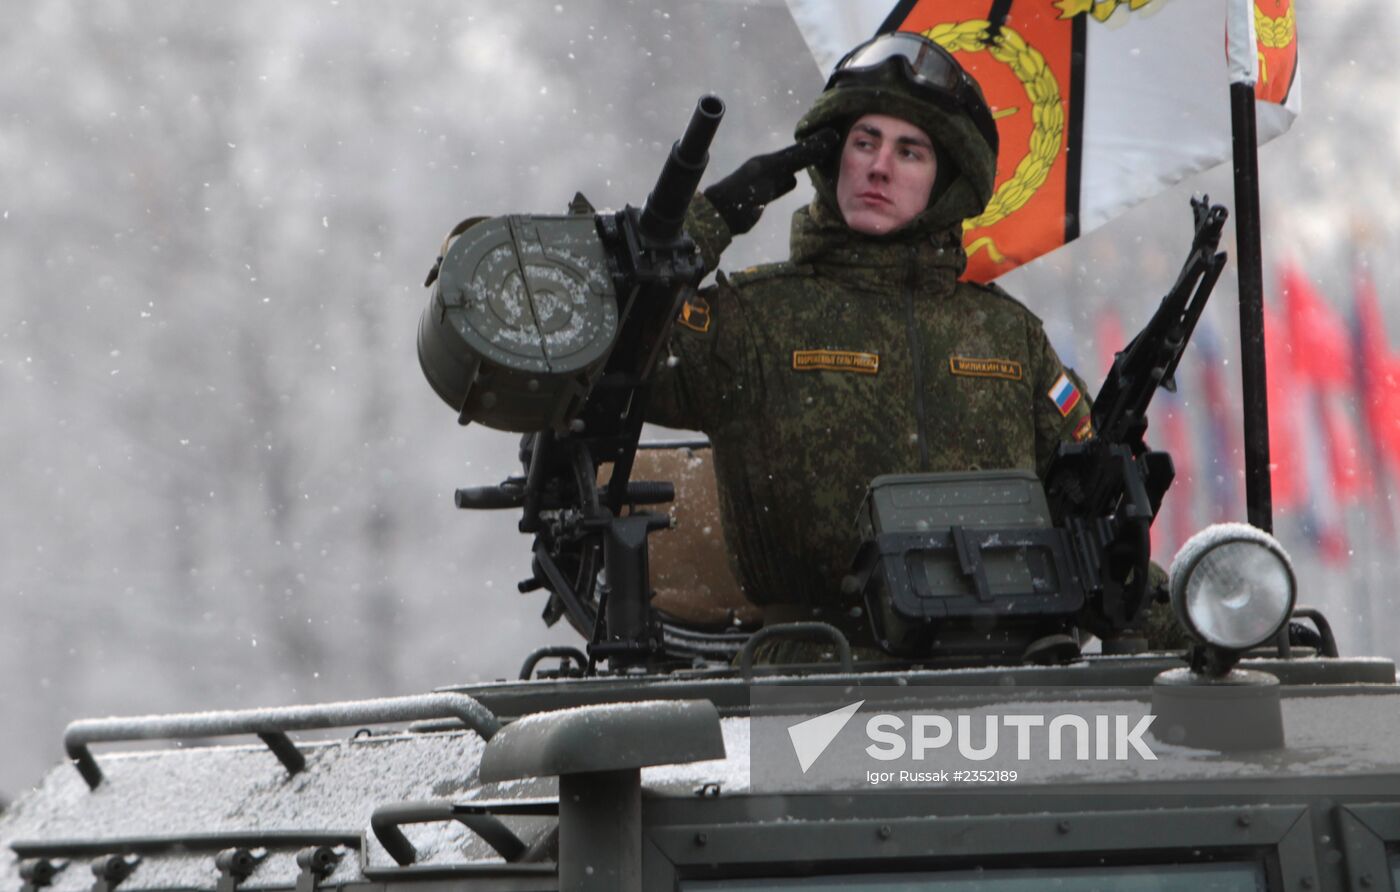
1277	37
1047	115
1101	10
1274	33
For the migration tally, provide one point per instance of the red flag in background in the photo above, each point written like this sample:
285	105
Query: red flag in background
1109	337
1321	347
1377	376
1323	357
1323	446
1348	469
1176	521
1286	403
1223	457
1387	415
1315	432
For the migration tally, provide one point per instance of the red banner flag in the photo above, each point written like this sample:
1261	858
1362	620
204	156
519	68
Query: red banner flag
1321	346
1378	376
1276	38
1099	103
1286	398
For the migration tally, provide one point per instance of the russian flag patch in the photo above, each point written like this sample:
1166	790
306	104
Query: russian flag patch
1064	394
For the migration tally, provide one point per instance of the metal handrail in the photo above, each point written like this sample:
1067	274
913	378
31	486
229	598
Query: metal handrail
191	842
271	725
387	821
1324	629
527	670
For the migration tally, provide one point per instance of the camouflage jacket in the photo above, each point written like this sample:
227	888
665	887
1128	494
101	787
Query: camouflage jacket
858	357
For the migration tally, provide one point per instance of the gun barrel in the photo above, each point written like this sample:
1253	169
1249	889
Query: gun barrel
663	216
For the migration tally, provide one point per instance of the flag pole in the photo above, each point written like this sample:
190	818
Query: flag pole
1259	496
1258	489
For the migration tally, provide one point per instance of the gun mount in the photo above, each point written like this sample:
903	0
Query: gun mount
552	326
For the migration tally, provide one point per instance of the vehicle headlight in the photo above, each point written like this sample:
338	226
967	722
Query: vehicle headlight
1232	586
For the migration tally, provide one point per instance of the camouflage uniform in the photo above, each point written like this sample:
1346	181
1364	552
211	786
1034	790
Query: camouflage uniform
861	355
858	357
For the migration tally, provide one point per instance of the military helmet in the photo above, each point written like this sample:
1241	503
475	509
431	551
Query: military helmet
908	76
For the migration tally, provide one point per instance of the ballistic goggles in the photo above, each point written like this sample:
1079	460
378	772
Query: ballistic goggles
925	65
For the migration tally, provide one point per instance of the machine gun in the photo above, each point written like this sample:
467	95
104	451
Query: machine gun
962	566
1107	490
551	326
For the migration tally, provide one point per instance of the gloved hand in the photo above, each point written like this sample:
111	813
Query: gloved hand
741	197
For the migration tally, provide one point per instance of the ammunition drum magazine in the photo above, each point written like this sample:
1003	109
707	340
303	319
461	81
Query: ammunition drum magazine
521	320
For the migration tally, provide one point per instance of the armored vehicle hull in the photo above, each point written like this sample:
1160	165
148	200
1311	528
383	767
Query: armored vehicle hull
664	783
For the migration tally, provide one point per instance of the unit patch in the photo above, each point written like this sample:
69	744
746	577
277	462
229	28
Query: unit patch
835	361
695	314
1064	394
1009	369
1084	429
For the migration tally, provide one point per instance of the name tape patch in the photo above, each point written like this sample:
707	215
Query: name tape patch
835	361
1085	429
972	367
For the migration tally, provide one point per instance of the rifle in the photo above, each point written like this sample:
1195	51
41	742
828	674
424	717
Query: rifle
1107	490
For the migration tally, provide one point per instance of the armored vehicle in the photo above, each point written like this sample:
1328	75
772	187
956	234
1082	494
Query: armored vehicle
672	753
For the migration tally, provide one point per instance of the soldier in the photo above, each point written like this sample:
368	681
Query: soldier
862	354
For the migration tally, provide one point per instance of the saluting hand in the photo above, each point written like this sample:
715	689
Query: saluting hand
741	197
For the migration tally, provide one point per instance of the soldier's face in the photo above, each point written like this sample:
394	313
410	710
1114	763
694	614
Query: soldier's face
887	172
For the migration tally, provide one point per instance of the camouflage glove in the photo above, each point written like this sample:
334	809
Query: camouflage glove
741	197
